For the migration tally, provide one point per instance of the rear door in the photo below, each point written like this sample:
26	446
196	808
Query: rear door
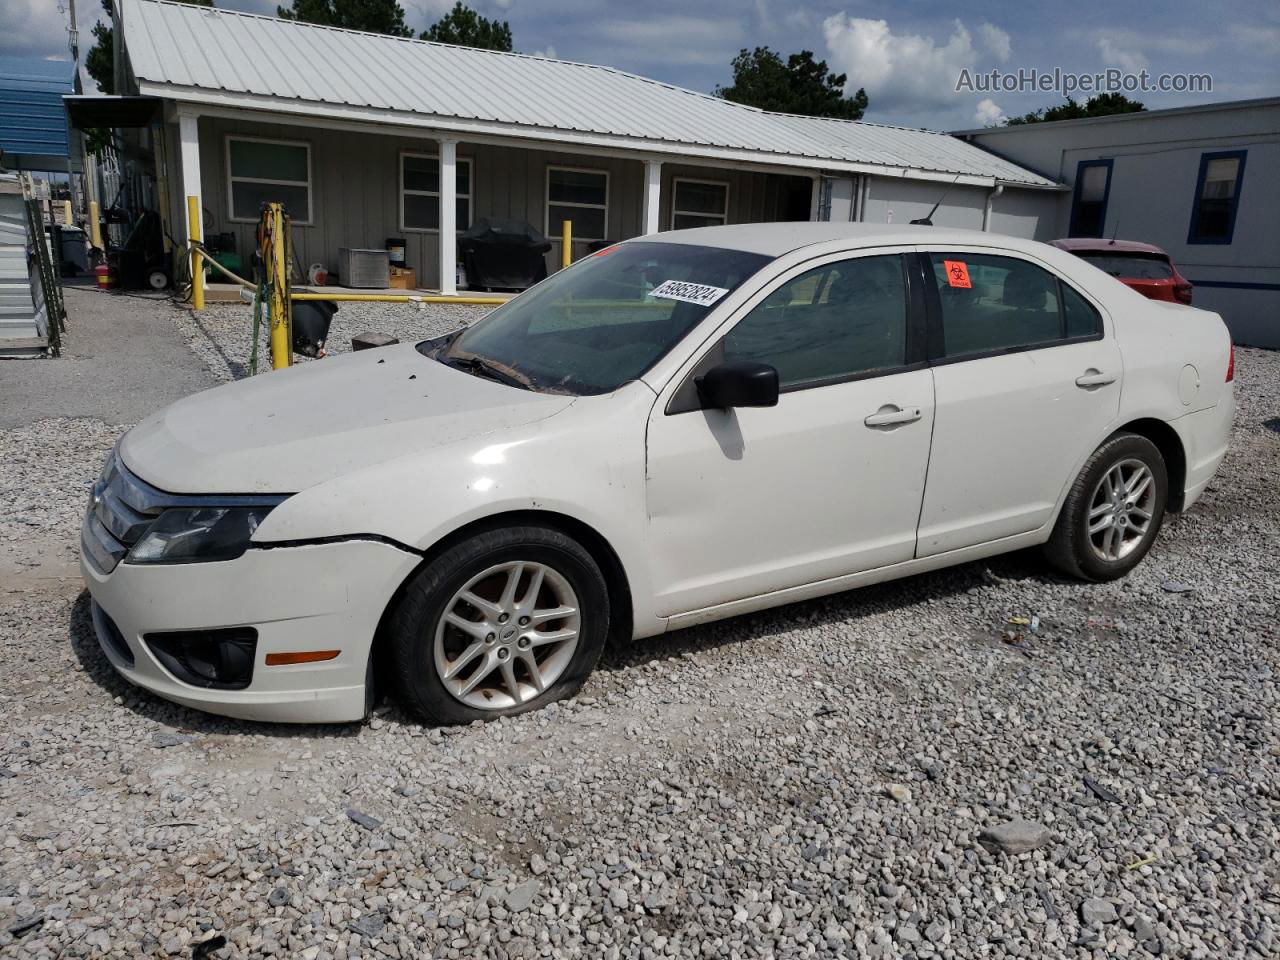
1027	373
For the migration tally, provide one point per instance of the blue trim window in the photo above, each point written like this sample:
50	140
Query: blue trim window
1089	202
1213	217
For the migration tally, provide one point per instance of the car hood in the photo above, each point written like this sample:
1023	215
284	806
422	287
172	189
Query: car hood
290	429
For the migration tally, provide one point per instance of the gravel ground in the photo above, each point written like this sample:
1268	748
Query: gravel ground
814	781
223	335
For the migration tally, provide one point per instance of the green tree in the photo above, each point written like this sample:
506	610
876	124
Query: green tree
1102	105
463	27
801	85
100	61
376	16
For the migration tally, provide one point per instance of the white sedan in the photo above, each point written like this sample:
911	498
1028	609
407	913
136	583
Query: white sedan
677	429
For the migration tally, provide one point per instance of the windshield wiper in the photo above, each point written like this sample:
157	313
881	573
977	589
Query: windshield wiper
483	368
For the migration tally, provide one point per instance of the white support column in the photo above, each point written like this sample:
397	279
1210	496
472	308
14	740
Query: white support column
652	196
189	139
448	217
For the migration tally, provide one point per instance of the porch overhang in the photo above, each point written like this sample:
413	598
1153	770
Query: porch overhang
362	119
100	110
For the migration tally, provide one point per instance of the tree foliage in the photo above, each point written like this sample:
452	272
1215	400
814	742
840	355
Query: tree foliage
375	16
463	27
1102	105
800	85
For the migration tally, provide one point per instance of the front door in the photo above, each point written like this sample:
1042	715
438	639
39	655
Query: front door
1026	379
746	501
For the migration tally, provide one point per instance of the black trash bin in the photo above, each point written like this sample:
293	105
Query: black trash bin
503	254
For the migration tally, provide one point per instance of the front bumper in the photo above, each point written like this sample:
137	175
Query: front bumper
319	597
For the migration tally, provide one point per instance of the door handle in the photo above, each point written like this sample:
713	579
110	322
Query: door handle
1094	377
891	415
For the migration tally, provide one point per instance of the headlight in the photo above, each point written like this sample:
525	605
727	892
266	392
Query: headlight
198	534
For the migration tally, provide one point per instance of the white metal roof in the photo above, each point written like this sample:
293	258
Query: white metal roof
230	59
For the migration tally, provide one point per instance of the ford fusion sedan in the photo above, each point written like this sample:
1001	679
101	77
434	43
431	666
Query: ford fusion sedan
677	429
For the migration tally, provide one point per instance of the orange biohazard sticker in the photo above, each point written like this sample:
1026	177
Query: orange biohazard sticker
957	273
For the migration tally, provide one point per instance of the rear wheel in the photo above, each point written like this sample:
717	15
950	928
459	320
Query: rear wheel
499	624
1113	511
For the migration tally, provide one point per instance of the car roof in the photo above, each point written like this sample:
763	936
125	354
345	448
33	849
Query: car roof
1091	244
776	239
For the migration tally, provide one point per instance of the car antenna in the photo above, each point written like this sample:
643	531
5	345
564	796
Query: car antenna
1115	233
927	219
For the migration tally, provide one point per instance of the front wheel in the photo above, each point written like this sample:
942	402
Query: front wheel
499	624
1113	511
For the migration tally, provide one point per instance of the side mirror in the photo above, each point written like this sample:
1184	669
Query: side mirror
739	383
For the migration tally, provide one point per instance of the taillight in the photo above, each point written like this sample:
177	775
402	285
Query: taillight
1231	364
1182	293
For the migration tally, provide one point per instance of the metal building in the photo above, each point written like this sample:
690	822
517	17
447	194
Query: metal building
365	137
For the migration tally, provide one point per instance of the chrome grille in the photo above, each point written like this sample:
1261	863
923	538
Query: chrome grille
121	507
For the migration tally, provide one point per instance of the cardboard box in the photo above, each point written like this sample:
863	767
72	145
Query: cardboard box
403	278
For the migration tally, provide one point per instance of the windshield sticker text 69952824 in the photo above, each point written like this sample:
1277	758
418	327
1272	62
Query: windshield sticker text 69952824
698	293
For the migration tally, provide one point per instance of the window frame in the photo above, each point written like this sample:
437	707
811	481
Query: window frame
936	332
1073	227
710	352
548	203
675	194
1194	237
469	196
232	179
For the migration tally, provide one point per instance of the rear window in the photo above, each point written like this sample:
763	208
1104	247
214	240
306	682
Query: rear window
1131	266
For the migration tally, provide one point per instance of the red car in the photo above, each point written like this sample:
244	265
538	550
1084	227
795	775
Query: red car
1143	266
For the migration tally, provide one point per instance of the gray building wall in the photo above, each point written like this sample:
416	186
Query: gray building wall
1155	169
355	184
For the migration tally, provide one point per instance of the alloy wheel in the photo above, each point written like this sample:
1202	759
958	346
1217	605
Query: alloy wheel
507	635
1120	510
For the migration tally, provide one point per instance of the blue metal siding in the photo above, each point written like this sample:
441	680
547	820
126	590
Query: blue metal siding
32	118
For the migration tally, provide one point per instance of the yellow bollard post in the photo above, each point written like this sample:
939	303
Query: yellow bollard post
66	213
566	244
197	268
280	353
95	227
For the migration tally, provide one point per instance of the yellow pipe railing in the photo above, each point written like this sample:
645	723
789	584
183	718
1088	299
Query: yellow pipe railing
197	269
400	298
566	244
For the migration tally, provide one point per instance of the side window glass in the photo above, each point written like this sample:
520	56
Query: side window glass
837	320
1082	319
994	303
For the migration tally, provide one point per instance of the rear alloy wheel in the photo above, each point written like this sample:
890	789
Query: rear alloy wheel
1113	511
502	623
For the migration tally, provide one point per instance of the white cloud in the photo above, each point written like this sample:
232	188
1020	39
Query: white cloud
669	40
989	113
1115	54
996	41
904	71
37	28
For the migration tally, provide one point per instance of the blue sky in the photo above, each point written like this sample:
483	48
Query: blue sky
907	55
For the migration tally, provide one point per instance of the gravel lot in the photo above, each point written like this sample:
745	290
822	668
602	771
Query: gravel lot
223	335
809	782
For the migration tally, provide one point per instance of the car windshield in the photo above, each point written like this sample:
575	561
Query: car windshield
1131	266
601	322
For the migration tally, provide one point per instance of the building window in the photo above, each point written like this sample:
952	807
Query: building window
268	171
581	196
1089	205
1213	218
420	193
699	203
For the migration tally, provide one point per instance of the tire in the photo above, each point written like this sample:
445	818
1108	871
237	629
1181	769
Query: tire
504	633
1100	555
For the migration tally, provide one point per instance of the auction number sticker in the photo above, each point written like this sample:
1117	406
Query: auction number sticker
957	273
699	293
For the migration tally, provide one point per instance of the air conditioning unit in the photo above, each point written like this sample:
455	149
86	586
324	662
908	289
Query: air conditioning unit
365	268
